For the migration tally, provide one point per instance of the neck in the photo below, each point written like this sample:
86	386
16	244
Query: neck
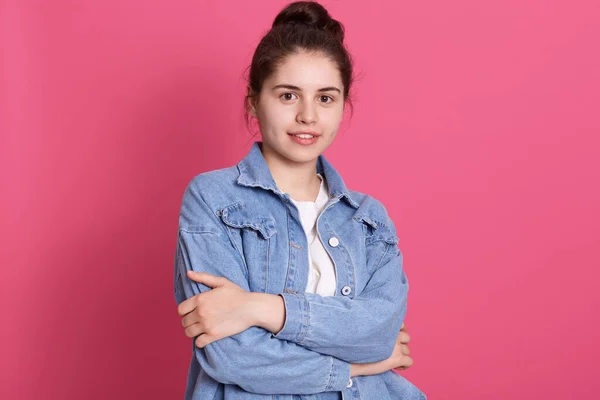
300	180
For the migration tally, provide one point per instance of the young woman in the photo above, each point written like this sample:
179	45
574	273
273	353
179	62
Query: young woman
291	284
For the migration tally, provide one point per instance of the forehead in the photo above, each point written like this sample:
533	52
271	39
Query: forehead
307	70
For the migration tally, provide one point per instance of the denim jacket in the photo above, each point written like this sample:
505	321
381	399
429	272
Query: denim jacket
236	223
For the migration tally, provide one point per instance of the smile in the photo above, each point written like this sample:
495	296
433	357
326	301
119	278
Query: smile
304	135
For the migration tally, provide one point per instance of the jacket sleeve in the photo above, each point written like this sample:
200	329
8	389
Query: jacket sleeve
253	359
359	330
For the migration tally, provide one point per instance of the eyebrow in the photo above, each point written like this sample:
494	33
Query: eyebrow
292	87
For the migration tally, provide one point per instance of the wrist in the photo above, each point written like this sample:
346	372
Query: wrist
255	305
356	370
267	311
366	369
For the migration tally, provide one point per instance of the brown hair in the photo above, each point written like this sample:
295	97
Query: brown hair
302	25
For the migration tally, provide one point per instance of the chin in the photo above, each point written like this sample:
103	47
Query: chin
300	157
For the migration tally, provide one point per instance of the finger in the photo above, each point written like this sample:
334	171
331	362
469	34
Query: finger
209	280
407	362
193	330
404	337
190	319
204	340
405	350
403	327
187	306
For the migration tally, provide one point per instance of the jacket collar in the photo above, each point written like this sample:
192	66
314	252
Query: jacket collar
254	172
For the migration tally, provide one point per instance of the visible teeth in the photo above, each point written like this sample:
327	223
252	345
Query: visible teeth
305	136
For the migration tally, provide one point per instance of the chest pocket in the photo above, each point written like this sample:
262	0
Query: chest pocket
252	233
377	238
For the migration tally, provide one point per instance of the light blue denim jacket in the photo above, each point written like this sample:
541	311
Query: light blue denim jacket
236	223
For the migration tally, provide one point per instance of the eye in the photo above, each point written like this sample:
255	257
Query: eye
325	99
288	96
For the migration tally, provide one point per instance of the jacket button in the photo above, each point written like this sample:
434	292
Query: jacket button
349	385
346	290
333	242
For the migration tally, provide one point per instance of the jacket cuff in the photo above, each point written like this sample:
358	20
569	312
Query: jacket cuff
339	377
296	322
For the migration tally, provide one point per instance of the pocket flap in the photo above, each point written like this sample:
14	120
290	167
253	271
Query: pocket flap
239	216
378	231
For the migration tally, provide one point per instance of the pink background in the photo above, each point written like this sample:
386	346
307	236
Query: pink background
476	123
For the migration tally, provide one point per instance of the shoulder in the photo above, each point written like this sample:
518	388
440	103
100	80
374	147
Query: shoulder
212	181
204	194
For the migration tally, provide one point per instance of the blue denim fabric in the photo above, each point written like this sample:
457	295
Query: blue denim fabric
236	223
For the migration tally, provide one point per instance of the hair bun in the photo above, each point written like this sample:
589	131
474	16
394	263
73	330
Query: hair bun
311	14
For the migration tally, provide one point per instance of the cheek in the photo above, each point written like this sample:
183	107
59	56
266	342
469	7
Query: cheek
277	117
333	119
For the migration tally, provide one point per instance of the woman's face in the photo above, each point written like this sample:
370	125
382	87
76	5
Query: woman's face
304	96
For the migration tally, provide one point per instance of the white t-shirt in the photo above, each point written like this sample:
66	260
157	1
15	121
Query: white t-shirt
321	276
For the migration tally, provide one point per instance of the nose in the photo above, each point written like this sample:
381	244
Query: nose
307	113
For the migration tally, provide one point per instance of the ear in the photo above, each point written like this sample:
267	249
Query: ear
251	104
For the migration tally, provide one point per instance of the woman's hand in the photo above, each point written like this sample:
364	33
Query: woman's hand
400	356
398	360
219	313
